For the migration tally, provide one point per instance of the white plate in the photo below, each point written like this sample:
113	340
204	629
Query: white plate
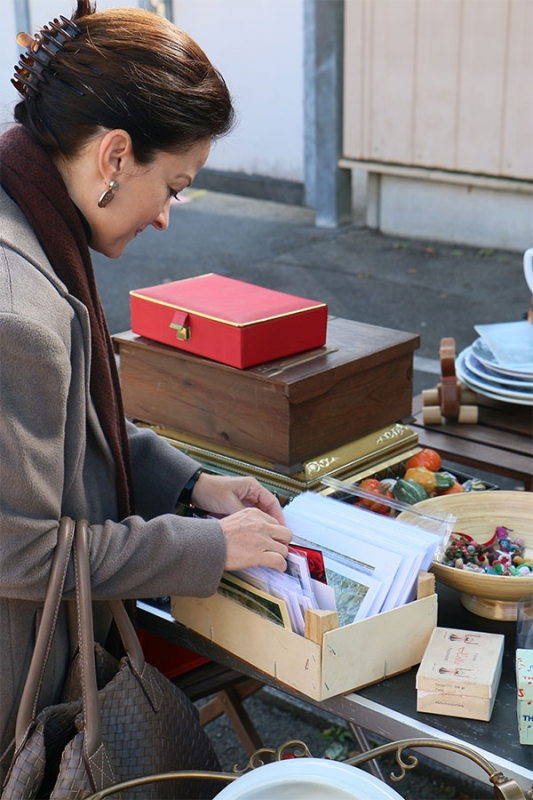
479	369
477	384
510	342
486	383
307	779
484	354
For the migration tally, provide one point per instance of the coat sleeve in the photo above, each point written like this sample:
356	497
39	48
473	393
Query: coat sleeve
161	555
160	471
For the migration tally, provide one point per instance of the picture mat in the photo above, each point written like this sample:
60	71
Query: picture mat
325	595
437	525
283	586
298	568
315	561
404	586
355	592
416	547
365	557
256	600
358	520
287	589
359	573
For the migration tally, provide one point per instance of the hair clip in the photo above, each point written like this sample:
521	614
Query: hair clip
40	51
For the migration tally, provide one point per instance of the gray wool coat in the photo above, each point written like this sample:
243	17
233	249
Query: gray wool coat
54	461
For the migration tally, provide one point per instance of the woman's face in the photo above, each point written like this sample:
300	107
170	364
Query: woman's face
142	198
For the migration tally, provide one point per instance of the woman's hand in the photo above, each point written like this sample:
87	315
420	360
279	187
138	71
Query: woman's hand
253	539
251	518
222	495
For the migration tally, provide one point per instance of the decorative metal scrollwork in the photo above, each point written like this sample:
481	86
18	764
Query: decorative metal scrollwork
504	788
294	748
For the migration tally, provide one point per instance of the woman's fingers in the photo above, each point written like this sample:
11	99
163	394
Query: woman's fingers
255	539
274	561
223	495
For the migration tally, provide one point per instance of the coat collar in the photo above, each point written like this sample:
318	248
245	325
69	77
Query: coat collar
17	234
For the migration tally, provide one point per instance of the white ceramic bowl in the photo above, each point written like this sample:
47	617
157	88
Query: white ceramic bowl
307	779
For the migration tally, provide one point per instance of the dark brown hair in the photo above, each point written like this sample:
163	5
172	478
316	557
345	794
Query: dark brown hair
128	69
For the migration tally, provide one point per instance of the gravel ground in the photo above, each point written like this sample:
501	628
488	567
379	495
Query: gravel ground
278	719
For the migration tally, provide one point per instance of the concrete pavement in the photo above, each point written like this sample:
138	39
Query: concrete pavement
423	287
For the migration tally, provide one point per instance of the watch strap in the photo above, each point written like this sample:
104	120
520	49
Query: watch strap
185	497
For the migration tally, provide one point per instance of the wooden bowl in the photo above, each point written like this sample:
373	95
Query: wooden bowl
478	514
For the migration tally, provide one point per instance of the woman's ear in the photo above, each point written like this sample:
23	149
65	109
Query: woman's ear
115	154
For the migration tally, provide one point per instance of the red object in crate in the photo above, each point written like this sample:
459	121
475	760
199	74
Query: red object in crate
228	320
170	659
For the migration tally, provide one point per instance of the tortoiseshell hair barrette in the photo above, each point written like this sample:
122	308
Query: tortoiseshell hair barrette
41	50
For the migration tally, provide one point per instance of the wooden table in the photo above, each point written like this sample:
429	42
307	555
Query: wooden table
501	442
388	708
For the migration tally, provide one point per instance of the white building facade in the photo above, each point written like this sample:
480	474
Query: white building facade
432	100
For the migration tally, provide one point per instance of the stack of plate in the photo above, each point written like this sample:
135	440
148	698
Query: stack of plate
500	363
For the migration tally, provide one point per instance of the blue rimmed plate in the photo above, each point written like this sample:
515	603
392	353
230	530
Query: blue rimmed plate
485	386
484	354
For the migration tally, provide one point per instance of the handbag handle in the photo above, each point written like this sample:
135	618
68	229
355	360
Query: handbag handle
96	758
43	642
28	706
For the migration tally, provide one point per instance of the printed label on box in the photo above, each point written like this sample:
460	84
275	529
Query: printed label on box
454	705
459	673
524	687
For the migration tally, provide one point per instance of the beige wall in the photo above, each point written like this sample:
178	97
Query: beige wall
258	47
443	84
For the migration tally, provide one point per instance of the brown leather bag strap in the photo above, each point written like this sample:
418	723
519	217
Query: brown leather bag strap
129	637
96	757
91	710
54	593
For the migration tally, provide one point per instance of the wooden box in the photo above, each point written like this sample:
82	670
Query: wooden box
340	661
285	411
228	320
460	673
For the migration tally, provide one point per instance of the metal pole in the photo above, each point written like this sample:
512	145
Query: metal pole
161	7
333	194
309	103
22	15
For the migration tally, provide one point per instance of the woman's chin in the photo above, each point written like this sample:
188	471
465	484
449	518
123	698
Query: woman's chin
114	250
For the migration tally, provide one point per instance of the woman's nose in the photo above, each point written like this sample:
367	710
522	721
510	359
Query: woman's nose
160	223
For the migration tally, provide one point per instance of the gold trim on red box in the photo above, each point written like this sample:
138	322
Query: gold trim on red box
135	293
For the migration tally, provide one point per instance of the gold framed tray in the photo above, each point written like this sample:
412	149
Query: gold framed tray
372	452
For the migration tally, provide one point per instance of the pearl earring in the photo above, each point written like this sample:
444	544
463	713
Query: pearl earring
108	195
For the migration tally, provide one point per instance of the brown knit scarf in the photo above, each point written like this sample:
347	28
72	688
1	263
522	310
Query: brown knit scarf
31	179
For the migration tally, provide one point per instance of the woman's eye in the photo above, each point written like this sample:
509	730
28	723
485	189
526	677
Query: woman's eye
174	194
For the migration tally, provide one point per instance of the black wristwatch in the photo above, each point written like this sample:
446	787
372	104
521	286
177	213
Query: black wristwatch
185	497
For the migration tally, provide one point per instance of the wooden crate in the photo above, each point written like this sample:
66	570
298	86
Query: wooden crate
341	660
286	411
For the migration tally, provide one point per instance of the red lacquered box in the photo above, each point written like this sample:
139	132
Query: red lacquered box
228	320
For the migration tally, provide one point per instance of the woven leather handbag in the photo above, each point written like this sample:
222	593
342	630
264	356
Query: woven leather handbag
138	724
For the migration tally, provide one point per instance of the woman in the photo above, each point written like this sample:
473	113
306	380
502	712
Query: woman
118	112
